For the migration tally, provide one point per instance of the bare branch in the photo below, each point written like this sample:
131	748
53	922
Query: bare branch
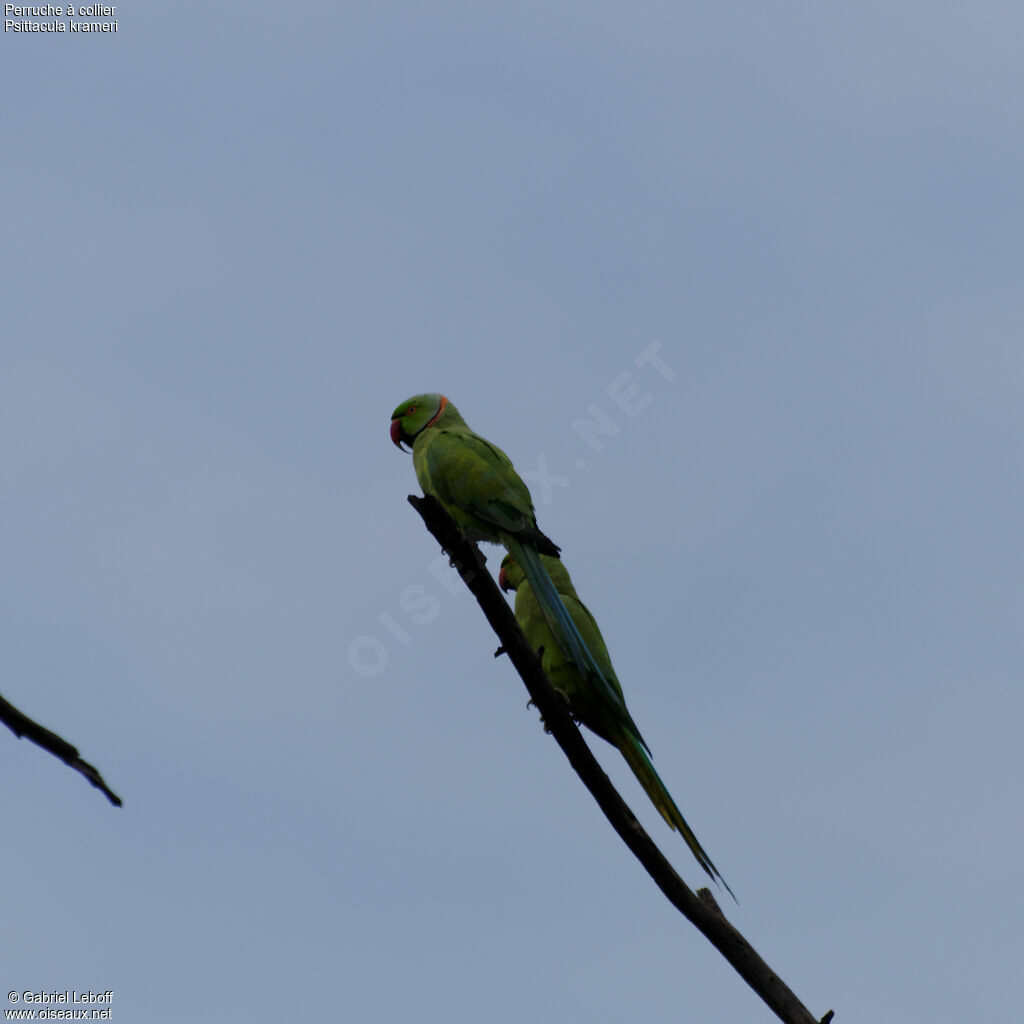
703	911
21	725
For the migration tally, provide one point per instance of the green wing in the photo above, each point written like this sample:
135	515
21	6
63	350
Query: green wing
476	482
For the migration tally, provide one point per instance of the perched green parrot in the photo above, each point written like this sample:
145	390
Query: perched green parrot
475	481
609	719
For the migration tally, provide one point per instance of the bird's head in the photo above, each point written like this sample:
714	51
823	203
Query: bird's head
413	416
510	575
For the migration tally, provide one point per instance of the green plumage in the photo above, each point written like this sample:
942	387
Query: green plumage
609	719
472	478
481	491
476	483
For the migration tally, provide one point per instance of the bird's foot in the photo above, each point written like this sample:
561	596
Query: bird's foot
531	703
565	697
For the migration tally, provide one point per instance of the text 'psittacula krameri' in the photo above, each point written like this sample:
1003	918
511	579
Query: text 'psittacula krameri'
475	481
609	719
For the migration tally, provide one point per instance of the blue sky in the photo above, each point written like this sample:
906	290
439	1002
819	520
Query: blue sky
236	238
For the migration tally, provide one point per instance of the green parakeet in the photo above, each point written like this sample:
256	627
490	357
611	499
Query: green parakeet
610	720
475	481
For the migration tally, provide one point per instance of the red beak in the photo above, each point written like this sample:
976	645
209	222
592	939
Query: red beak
503	580
396	433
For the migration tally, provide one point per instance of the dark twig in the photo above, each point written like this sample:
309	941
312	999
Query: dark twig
706	916
21	725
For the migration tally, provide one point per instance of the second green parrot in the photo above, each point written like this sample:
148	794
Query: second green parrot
609	719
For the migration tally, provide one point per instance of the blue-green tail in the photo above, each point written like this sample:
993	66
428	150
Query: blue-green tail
626	737
662	799
562	626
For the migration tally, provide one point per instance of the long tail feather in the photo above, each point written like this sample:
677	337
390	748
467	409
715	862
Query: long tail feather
660	797
631	745
558	618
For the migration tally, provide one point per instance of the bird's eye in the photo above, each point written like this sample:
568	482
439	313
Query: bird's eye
410	410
